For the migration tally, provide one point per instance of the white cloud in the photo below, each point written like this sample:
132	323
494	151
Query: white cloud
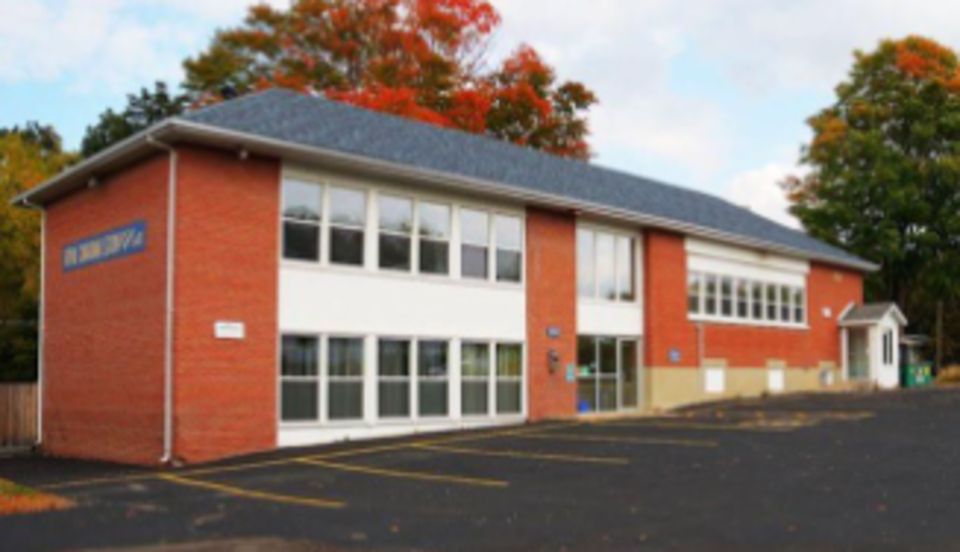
759	190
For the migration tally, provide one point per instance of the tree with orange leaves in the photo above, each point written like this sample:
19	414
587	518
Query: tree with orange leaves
421	59
884	178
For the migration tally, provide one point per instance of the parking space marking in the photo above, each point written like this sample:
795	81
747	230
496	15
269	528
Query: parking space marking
253	495
653	441
525	455
398	474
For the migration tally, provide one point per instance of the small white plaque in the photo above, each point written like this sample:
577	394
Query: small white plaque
715	381
230	330
827	312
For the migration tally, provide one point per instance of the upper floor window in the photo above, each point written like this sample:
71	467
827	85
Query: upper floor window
396	233
509	249
475	253
719	297
606	266
476	250
302	215
434	239
348	217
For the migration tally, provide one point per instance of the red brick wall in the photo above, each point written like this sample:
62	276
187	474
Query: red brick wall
667	326
104	327
227	270
551	303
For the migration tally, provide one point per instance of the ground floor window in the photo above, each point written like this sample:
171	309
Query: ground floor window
608	375
332	379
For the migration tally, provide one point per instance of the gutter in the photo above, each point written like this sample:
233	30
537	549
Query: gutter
41	307
168	379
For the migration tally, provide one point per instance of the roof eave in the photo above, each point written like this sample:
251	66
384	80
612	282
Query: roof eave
176	128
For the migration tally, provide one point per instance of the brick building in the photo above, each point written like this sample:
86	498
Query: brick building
282	270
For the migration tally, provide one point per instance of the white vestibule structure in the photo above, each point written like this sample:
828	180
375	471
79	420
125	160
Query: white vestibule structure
871	343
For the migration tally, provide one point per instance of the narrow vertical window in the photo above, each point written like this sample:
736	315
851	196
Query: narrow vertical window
394	366
433	378
710	295
694	295
434	239
396	233
772	307
757	292
786	309
348	216
586	264
726	301
799	306
475	235
475	385
743	299
606	267
509	233
626	267
300	379
345	379
509	379
302	214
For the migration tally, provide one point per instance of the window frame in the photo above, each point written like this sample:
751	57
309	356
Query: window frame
496	218
419	238
517	380
617	236
411	237
410	380
317	380
419	380
330	379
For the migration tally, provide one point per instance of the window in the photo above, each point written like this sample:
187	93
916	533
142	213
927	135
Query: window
586	264
394	389
786	310
757	300
434	239
694	294
433	378
302	214
509	249
345	379
771	302
348	215
722	298
888	344
509	379
300	379
475	235
726	301
475	370
396	233
606	266
743	299
799	306
710	296
626	269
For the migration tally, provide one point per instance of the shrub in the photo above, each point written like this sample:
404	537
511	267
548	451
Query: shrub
949	376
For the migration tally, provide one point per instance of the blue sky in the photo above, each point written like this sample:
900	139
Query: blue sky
709	94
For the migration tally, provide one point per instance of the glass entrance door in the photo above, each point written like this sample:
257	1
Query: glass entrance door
858	345
608	374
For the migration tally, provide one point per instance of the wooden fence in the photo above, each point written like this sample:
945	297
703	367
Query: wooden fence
18	415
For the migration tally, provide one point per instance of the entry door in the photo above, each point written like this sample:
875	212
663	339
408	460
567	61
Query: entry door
608	376
858	345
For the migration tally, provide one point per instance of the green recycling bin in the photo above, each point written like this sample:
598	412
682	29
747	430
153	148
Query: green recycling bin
918	375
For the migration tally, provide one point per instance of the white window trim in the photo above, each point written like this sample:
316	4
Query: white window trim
750	320
617	235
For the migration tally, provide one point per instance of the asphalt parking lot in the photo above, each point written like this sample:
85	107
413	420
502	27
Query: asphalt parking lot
833	472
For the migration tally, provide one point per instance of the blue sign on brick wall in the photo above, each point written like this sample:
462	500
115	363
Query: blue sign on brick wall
104	247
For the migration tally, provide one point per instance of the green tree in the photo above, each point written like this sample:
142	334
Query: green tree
28	156
420	59
884	178
142	110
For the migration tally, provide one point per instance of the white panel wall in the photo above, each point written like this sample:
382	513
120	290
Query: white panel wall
326	300
606	319
715	258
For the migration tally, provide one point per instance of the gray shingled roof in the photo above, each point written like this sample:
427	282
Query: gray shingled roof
868	313
316	122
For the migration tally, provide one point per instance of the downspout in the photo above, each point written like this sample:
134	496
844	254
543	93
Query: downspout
168	380
41	307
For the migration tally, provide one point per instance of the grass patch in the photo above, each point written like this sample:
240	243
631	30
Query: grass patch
17	499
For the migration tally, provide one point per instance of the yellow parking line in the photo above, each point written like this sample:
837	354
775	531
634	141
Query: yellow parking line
255	495
526	455
416	476
626	440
